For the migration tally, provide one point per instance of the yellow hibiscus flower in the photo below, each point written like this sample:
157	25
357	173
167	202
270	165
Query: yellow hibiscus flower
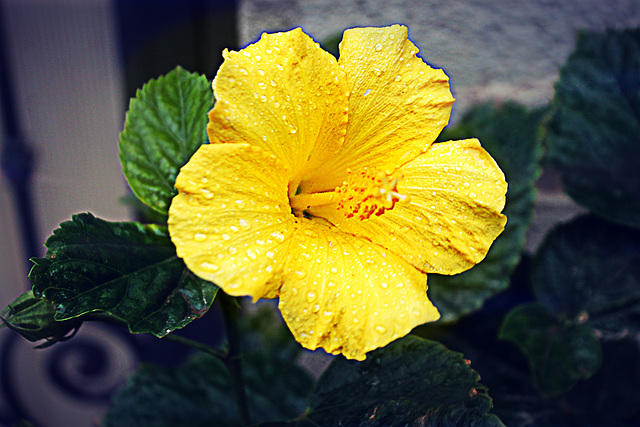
322	187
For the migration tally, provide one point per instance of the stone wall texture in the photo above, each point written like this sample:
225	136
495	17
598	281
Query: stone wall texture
491	49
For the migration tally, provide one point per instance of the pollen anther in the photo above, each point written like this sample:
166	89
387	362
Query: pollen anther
368	192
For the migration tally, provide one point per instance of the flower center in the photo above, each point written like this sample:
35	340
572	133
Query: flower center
365	193
368	192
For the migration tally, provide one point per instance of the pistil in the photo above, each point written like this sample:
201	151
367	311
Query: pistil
302	202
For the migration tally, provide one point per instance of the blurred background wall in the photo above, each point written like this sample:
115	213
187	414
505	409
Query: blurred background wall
70	67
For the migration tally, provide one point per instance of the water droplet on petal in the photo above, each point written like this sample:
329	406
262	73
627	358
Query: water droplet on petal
380	329
262	85
209	266
311	296
199	237
251	254
379	47
278	236
398	78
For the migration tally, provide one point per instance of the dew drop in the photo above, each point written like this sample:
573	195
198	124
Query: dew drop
261	72
300	273
293	129
278	236
243	71
379	47
398	78
273	83
380	329
367	92
262	85
377	71
199	237
251	254
225	237
247	54
210	267
315	308
311	296
384	285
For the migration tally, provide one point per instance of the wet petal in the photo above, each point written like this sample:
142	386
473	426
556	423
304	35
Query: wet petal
231	221
349	296
456	193
397	103
284	94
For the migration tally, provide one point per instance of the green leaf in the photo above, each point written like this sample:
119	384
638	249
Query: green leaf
198	394
411	381
594	134
588	271
32	318
165	125
510	133
125	269
560	354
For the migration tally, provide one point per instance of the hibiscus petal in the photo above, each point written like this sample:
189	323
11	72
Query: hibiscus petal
349	296
397	104
231	221
456	192
284	94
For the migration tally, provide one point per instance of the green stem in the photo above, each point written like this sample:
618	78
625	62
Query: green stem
233	361
215	352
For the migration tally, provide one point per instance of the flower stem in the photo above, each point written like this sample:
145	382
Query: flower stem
233	359
215	352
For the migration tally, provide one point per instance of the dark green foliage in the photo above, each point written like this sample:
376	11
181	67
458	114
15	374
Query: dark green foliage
165	125
32	318
199	394
560	354
594	134
125	269
411	381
